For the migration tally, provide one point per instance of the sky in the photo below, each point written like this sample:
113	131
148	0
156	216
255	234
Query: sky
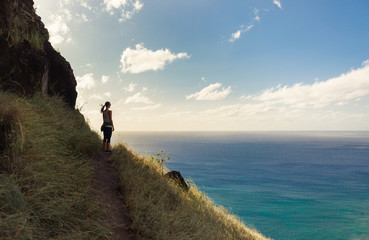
217	65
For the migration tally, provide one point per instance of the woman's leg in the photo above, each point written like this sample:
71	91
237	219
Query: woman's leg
105	141
108	137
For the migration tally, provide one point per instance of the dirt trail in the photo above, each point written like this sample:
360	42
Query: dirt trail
105	183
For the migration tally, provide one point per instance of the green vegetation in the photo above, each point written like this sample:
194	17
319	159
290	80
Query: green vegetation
21	28
160	159
45	182
160	209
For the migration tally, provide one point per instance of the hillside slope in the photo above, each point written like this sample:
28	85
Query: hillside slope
160	209
45	180
46	183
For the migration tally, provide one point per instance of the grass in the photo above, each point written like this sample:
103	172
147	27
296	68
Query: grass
45	182
160	209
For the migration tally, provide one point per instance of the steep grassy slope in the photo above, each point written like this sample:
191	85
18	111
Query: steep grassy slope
160	209
45	183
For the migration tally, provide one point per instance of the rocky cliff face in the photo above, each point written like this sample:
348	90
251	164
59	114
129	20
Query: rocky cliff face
28	62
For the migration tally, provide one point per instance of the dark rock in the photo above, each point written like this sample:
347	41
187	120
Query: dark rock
28	62
177	177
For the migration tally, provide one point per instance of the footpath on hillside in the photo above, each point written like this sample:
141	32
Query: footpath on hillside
105	183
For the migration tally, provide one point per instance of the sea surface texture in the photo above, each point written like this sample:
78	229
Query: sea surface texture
288	185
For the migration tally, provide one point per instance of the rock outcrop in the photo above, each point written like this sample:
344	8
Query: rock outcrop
28	62
177	178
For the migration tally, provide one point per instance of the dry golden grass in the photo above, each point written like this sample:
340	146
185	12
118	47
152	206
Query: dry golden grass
45	183
160	209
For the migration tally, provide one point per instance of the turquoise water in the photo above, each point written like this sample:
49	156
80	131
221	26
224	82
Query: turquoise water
288	185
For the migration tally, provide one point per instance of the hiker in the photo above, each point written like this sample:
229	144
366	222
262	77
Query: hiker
108	126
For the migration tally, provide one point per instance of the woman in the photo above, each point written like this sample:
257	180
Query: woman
108	126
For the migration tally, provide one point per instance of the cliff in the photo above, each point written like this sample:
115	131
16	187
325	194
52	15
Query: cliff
28	62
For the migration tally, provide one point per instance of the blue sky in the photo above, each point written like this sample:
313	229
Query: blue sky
217	65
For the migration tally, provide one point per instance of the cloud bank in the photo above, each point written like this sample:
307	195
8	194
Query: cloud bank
302	103
351	86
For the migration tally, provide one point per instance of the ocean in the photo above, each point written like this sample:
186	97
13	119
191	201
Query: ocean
288	185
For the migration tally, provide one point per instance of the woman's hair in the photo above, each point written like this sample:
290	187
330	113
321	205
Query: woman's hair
105	105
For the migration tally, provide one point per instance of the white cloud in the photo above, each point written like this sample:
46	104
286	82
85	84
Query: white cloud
137	5
115	4
141	59
58	17
62	3
57	21
211	93
278	3
83	17
86	5
126	8
256	13
107	94
245	97
365	63
138	98
58	29
131	87
237	35
104	79
85	82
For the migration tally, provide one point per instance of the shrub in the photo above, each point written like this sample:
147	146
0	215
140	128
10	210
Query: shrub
10	129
